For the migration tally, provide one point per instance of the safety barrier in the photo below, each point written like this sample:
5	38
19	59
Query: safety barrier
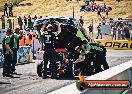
119	72
24	55
115	44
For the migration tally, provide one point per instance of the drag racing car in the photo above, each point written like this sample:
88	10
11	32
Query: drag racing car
71	36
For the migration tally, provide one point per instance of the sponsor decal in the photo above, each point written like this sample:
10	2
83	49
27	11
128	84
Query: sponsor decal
116	44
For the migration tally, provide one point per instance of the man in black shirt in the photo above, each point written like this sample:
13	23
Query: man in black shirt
10	6
81	20
8	53
25	22
14	45
90	28
127	32
29	22
49	50
5	9
99	31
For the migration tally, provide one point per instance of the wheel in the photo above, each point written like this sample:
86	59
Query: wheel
40	69
81	86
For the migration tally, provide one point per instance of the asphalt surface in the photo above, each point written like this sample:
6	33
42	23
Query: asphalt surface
27	81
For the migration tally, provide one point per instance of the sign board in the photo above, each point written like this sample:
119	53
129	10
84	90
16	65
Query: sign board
106	29
116	44
23	54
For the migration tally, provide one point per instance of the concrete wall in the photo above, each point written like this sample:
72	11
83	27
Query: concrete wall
122	75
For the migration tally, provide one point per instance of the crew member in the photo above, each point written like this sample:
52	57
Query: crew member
28	38
84	61
21	39
14	46
7	54
49	48
93	52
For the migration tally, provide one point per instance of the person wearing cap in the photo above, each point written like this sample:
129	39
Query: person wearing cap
7	54
14	46
49	47
92	52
